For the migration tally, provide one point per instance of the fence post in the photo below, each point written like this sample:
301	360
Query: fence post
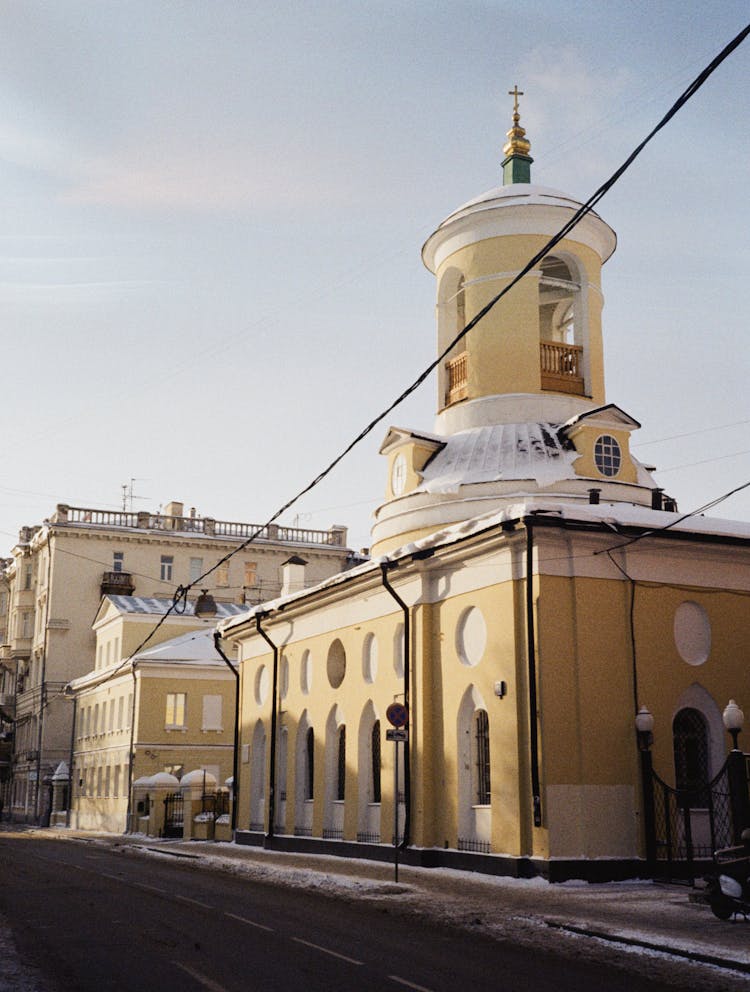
738	793
649	817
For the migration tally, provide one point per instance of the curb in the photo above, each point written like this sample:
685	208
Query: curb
697	956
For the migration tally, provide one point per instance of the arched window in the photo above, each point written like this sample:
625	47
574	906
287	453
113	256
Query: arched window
690	737
560	331
375	756
310	764
460	306
341	765
482	758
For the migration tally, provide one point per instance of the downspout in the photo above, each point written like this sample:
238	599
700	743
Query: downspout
531	657
70	763
272	762
235	778
407	666
43	699
131	757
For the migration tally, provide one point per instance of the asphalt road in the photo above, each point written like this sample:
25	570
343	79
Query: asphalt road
93	919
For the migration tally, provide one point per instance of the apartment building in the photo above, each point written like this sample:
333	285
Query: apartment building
51	587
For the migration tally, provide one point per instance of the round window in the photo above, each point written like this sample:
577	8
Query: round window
607	455
398	474
692	633
261	685
370	658
305	673
336	664
471	636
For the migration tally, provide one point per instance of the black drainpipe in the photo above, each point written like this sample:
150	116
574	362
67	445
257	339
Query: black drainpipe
235	777
71	766
272	763
407	742
531	656
131	756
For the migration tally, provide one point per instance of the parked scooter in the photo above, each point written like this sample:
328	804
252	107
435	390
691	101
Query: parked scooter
728	885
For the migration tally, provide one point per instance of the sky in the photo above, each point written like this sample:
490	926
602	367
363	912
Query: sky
211	216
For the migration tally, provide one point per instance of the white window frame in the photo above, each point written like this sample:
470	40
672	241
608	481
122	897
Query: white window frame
176	708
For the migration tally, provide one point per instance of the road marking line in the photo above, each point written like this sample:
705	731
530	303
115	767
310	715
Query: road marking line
409	985
326	950
204	980
150	888
192	902
250	923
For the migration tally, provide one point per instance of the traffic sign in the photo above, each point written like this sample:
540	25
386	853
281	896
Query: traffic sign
397	715
397	735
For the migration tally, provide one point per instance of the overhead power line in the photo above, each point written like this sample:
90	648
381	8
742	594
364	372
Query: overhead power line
180	595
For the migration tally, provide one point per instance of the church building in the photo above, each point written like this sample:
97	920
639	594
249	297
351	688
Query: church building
535	606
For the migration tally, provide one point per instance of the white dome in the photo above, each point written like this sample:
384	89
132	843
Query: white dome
197	777
520	208
164	779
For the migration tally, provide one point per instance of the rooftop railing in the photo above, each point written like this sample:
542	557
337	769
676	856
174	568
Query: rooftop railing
334	537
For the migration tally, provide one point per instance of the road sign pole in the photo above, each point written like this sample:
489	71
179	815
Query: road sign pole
395	812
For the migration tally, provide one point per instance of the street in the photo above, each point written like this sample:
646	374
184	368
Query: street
91	918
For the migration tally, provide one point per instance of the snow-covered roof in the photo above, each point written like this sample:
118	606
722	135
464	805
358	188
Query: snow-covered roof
196	646
154	605
609	515
499	452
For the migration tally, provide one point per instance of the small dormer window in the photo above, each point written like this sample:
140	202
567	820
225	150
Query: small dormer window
607	455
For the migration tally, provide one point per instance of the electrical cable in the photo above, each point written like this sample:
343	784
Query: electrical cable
179	601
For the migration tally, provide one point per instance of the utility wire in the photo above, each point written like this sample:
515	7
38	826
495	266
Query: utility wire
179	601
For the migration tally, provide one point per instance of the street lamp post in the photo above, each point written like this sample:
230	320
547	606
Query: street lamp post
734	720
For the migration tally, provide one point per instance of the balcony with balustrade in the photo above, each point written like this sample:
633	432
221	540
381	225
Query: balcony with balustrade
117	584
457	378
562	367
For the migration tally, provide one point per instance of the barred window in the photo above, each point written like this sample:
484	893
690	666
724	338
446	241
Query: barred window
482	739
376	761
341	777
310	765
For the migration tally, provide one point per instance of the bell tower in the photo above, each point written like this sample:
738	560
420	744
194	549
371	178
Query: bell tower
521	407
540	348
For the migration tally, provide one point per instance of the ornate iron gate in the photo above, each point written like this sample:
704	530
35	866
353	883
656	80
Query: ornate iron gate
174	812
689	825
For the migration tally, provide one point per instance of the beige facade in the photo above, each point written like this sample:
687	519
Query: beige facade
169	708
533	589
55	579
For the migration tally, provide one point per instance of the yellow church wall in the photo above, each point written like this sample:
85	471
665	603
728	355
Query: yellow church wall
352	698
452	680
439	683
589	762
665	678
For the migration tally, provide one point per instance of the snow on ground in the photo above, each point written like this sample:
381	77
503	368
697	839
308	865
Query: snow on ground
14	975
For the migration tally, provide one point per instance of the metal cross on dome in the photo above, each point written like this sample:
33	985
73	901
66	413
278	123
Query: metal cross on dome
515	93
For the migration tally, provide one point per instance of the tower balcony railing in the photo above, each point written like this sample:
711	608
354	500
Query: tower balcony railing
562	367
457	378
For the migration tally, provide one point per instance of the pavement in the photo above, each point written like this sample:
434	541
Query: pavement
643	916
